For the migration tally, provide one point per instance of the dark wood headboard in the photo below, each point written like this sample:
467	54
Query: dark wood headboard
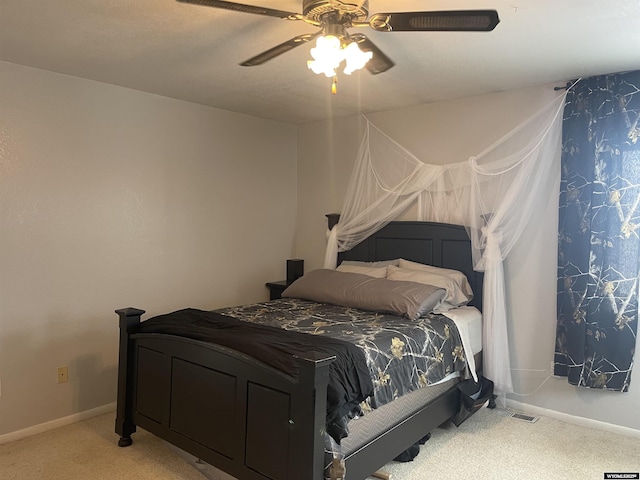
439	244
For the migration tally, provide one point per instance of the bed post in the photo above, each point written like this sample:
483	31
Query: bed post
129	318
332	219
308	449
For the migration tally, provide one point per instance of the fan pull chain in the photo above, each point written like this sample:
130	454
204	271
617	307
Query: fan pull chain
334	84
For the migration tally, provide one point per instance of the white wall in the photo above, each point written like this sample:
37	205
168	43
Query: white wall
326	152
450	132
110	198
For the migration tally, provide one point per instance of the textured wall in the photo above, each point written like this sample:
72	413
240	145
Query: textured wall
110	198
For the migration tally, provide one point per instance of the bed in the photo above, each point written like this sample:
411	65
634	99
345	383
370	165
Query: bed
257	422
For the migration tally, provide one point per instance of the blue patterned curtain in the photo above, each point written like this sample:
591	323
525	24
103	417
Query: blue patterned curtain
598	235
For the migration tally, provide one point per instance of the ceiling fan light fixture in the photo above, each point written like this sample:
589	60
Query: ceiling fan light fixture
329	53
334	17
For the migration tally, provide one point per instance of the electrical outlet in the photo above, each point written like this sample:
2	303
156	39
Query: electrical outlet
63	374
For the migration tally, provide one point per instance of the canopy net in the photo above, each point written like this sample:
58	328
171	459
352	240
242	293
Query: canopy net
494	194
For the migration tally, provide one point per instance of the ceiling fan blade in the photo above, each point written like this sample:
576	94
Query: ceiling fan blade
241	7
379	62
279	49
445	21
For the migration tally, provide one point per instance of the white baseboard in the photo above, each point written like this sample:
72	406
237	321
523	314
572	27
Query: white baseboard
565	417
510	404
57	423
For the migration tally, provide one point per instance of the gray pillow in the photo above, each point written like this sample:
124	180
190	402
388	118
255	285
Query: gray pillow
355	290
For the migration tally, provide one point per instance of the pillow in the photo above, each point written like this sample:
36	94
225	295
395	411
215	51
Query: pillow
459	277
455	296
378	272
381	263
367	293
408	264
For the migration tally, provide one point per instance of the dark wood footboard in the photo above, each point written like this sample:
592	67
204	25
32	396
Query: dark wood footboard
227	409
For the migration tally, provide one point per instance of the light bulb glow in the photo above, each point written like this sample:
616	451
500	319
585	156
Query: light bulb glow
355	58
328	54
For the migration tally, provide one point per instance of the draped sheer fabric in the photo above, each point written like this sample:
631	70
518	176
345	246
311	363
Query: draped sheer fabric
494	194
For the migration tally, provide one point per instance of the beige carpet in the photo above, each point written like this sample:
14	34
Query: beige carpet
493	446
88	450
490	445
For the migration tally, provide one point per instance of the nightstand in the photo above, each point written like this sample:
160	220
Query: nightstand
276	289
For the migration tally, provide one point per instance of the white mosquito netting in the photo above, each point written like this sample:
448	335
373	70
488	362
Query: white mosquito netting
493	194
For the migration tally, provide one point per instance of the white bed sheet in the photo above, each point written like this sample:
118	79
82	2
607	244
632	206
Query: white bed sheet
469	323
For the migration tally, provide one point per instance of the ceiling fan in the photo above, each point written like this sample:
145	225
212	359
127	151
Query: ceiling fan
334	17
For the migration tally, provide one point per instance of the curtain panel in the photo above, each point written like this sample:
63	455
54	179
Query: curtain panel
598	234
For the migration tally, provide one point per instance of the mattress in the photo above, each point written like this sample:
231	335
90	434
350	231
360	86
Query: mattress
376	422
468	321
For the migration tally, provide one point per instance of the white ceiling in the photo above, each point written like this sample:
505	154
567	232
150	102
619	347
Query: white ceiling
192	52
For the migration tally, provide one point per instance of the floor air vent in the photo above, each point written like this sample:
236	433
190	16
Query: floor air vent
523	417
